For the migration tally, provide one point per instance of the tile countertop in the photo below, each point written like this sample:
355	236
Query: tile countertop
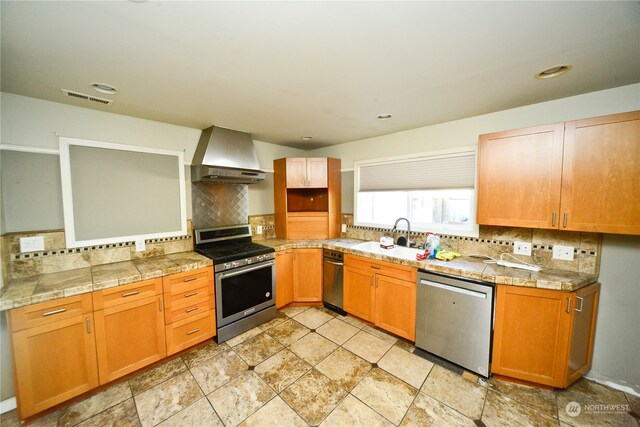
464	266
47	287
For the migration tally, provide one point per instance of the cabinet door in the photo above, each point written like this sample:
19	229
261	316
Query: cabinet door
583	328
307	275
296	172
359	293
129	336
54	362
531	334
600	178
519	177
396	306
317	172
284	278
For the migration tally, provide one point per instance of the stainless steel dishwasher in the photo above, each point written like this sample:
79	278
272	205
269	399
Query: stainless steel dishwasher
332	274
454	319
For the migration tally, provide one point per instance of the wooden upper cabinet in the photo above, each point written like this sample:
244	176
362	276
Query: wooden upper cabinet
519	177
601	174
303	172
582	175
307	197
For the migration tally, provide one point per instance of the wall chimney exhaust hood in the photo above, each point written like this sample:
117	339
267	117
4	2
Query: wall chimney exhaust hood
225	156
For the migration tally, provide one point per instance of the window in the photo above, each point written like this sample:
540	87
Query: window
435	192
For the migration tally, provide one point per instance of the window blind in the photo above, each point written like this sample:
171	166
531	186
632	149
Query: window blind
423	173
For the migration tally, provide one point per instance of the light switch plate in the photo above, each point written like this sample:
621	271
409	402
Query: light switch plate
32	244
522	248
140	245
259	229
563	252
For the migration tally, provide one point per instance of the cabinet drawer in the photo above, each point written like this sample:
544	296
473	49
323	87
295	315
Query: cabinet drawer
381	267
192	308
127	293
50	311
174	300
190	331
189	280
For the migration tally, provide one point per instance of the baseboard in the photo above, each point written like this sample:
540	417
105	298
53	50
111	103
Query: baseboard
7	405
614	385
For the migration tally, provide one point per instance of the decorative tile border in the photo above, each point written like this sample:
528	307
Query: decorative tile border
45	254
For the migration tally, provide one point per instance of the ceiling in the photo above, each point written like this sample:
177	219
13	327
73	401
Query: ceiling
286	70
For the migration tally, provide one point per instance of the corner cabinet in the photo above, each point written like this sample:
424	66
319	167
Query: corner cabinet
544	336
298	276
580	175
307	197
382	293
54	352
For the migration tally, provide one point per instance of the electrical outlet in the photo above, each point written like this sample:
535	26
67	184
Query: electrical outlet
32	244
259	229
563	252
344	228
522	248
140	245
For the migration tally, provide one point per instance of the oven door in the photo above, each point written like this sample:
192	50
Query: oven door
244	291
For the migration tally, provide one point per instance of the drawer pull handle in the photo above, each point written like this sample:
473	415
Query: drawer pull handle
193	331
192	294
129	294
377	267
190	279
160	304
579	310
88	326
191	310
51	313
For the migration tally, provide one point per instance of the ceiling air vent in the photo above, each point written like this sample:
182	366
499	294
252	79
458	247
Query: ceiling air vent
87	97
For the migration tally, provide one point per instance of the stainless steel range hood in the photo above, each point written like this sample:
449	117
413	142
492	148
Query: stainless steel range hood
225	156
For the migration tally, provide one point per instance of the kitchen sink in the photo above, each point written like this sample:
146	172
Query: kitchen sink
397	252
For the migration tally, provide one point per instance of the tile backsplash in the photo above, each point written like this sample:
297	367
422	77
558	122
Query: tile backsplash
56	257
492	242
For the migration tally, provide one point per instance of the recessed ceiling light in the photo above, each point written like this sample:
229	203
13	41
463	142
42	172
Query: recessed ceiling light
384	116
307	138
554	71
104	88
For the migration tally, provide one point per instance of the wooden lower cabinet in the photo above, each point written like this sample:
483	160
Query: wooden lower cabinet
284	278
307	275
544	336
382	293
54	352
130	331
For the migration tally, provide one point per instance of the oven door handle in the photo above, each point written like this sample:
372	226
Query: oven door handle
245	270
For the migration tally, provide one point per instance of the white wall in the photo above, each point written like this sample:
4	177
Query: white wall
464	132
616	356
36	123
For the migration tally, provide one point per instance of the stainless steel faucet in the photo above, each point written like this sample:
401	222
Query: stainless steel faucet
395	228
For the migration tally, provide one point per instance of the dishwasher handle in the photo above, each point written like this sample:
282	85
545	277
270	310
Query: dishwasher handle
334	263
453	289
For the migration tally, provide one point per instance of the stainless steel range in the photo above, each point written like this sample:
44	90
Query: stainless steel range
244	274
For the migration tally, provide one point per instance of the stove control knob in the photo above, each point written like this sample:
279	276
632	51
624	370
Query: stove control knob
260	257
248	260
227	266
235	264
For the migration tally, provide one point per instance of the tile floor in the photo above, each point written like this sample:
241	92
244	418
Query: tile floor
310	366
